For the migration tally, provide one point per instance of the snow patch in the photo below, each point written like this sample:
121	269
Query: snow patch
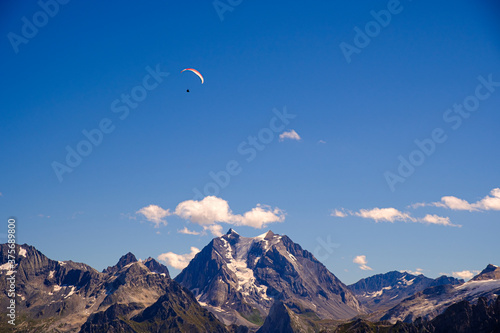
378	293
22	252
470	290
237	263
5	267
72	291
409	283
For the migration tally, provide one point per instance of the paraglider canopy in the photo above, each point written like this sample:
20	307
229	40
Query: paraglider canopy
196	72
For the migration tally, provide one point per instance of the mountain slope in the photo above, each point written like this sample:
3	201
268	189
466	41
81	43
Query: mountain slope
491	272
432	301
238	279
282	319
383	291
175	311
461	317
61	296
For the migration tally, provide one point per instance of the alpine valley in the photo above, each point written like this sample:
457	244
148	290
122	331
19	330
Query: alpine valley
240	284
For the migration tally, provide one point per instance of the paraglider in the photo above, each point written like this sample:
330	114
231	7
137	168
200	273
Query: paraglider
196	72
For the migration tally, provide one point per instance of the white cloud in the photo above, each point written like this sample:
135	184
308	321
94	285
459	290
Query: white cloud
418	271
466	275
178	261
186	231
155	214
435	219
291	135
212	210
205	212
489	202
338	213
260	216
392	214
361	261
454	203
383	214
215	229
321	141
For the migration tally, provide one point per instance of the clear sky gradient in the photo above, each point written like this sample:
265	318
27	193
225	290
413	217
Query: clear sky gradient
354	120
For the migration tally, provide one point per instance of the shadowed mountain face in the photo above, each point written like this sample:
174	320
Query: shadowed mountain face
61	296
282	319
238	279
383	291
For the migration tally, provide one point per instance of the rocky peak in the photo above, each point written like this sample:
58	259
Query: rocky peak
491	272
231	231
124	261
269	235
155	267
244	275
282	319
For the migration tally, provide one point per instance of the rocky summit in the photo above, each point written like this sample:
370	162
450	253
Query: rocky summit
239	278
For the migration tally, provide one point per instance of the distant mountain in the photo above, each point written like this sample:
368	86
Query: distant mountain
132	296
461	317
239	278
491	272
432	301
383	291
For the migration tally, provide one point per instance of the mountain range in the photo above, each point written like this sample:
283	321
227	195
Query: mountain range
383	291
240	284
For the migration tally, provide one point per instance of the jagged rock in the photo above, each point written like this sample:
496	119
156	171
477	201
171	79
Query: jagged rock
283	320
491	272
383	291
156	267
64	296
124	261
244	276
433	301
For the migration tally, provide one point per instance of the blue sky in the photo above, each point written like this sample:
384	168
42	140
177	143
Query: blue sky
354	119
